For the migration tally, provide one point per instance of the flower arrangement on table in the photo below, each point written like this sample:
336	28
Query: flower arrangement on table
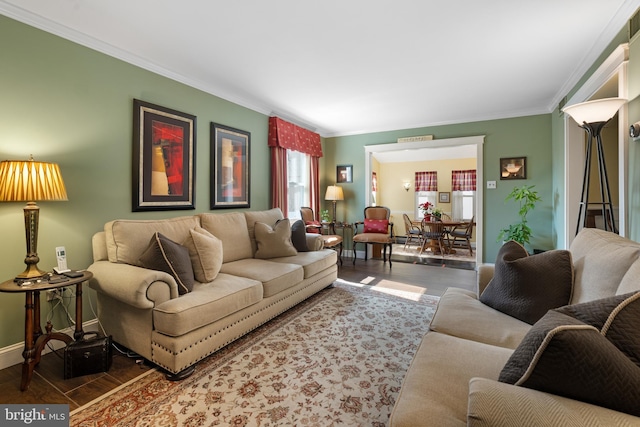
428	209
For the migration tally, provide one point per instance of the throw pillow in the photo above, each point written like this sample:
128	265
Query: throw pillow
313	227
166	255
376	225
205	251
299	236
526	287
274	242
565	356
617	318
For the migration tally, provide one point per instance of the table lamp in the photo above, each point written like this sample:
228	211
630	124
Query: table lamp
30	181
334	193
592	116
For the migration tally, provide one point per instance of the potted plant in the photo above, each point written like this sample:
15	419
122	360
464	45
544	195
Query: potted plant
526	197
324	215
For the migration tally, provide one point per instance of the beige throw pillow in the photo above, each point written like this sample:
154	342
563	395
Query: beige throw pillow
274	242
205	251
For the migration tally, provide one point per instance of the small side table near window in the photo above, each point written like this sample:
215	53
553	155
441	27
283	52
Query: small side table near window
34	338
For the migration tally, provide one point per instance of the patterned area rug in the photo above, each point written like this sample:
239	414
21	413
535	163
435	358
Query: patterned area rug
337	359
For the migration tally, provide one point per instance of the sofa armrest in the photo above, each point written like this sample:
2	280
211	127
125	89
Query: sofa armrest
492	403
314	241
136	286
485	274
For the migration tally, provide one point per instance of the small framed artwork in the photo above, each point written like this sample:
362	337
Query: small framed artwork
444	197
230	167
164	145
344	173
513	168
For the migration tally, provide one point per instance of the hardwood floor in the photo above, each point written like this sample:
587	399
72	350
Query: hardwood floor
48	385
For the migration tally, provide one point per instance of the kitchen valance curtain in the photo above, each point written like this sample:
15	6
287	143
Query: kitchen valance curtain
463	180
426	181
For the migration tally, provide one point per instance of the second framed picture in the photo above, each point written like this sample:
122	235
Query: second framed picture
344	173
230	168
513	168
444	197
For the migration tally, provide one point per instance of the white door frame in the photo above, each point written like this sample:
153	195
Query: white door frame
478	141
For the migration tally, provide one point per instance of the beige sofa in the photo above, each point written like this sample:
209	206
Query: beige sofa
142	308
452	380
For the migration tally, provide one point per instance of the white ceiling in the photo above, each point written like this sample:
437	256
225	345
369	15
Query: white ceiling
347	67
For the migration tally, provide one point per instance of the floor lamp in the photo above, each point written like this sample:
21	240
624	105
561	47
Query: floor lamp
334	193
592	116
30	181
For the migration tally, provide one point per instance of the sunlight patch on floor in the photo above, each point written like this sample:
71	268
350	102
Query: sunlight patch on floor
410	292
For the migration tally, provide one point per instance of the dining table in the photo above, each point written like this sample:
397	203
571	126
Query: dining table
433	245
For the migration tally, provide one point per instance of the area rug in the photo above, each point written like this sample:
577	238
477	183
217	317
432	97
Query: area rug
337	359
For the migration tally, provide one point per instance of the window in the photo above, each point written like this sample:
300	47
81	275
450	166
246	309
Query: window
421	197
298	176
468	205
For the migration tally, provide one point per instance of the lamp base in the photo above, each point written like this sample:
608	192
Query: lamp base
31	272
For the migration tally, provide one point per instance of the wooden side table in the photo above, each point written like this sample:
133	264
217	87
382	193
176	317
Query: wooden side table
347	231
34	338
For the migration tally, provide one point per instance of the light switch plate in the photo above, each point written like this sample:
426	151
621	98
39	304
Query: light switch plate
491	184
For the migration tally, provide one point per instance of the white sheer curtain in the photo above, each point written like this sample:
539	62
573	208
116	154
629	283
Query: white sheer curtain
456	205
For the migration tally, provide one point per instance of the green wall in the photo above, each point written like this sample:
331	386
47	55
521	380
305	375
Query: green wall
71	105
523	136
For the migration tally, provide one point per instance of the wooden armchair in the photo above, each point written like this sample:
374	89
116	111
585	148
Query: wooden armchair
331	240
377	229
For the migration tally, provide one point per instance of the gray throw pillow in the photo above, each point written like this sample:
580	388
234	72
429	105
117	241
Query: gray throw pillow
299	236
526	287
164	254
274	242
565	356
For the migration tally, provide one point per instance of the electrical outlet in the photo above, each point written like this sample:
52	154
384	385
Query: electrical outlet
491	184
55	294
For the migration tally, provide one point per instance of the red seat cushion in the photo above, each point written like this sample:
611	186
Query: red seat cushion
313	227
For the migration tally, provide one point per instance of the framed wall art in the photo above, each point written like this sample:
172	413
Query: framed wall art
164	144
344	173
444	197
230	168
513	168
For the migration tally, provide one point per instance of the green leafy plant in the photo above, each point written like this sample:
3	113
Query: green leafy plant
324	215
526	197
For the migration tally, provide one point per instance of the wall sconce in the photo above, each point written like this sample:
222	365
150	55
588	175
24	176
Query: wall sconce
406	185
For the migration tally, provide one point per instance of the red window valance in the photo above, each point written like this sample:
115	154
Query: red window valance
426	181
463	180
292	137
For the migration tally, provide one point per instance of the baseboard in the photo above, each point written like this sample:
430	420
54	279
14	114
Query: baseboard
12	355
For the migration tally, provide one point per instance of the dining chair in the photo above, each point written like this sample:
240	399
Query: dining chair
377	229
435	231
462	233
413	232
330	240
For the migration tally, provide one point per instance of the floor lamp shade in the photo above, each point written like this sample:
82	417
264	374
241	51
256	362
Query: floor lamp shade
334	193
592	116
30	181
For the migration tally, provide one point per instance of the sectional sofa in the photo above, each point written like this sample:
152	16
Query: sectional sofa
577	365
176	290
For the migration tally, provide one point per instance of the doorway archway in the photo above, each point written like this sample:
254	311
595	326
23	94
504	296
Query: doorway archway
478	141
